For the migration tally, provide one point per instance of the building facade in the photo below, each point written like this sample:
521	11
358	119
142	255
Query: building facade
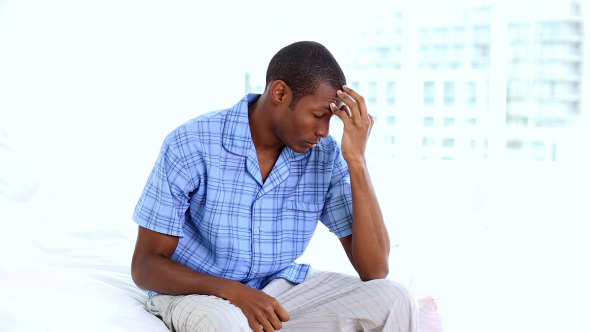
470	83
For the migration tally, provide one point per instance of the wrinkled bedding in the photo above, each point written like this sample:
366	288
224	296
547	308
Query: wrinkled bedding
61	275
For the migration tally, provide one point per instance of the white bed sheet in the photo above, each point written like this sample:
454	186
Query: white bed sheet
64	277
67	240
66	280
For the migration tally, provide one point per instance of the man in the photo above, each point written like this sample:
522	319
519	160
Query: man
234	199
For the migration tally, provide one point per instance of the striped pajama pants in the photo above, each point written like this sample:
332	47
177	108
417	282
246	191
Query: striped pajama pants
325	301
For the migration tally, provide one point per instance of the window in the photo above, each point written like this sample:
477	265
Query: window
427	141
390	120
538	145
372	93
428	93
448	122
518	90
514	144
481	33
425	34
441	34
470	93
456	55
390	93
425	51
449	93
550	29
480	57
428	121
518	32
520	51
458	34
440	53
448	142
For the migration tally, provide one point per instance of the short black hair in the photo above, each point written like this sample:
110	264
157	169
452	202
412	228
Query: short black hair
303	66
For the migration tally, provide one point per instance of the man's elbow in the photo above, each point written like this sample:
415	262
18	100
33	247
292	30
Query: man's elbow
138	273
136	276
375	273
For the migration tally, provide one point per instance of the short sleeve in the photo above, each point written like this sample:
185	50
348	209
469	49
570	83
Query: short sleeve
337	212
165	198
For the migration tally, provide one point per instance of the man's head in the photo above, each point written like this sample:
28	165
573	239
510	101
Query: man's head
303	66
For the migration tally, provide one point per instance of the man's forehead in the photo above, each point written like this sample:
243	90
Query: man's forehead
325	104
329	94
336	100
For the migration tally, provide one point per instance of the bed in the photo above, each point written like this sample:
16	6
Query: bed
66	254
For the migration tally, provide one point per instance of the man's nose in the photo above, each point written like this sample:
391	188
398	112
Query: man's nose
323	128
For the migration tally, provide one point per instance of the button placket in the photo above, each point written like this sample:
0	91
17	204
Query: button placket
255	240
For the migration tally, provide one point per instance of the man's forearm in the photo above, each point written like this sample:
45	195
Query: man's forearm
160	274
164	276
370	239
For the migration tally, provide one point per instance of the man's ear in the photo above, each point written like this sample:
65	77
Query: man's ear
280	93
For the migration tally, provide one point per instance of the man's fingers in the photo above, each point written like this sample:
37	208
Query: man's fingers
274	323
359	100
350	103
267	326
282	314
272	317
355	95
255	326
342	113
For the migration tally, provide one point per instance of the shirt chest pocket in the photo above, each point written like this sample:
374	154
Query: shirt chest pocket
302	212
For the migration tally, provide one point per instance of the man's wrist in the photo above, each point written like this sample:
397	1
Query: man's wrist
227	289
358	162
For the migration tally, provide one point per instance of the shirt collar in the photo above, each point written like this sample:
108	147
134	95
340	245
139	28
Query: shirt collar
237	137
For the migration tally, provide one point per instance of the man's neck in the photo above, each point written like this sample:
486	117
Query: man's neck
260	119
267	144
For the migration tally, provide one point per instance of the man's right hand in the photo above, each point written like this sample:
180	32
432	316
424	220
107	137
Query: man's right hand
264	313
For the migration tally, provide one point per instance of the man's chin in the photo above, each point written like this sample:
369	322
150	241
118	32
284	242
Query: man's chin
301	148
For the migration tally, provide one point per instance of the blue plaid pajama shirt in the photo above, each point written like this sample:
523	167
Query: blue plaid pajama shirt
206	188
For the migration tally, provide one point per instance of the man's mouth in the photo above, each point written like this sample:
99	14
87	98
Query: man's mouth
311	145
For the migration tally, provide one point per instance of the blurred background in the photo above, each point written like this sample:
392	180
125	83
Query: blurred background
477	155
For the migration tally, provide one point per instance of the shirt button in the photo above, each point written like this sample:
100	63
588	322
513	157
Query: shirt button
256	231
